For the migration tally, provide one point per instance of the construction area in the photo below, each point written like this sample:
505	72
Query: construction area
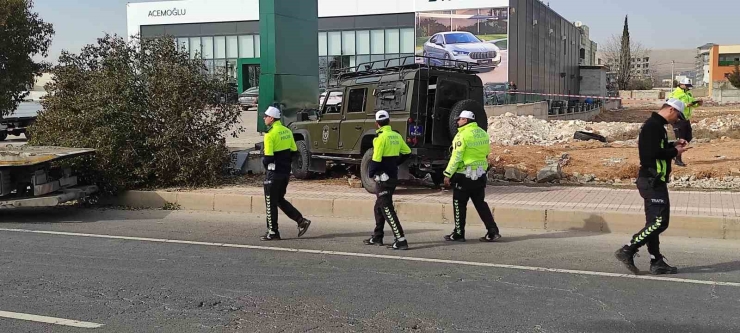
529	150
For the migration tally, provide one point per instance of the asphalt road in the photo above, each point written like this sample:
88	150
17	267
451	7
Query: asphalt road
207	272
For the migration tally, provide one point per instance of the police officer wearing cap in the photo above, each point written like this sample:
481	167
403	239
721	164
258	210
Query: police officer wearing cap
656	153
682	128
389	151
279	147
466	172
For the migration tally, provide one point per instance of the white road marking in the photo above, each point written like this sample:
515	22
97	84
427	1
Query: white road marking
382	256
48	320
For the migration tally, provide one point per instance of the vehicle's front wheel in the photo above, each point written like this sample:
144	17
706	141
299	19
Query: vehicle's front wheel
301	161
368	183
3	135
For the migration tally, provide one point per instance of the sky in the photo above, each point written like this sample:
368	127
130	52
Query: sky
657	24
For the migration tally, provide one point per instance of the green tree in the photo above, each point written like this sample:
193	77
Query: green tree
22	35
625	58
734	77
155	116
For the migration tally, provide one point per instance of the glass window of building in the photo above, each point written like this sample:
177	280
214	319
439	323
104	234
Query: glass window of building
246	46
220	67
392	37
322	43
207	47
231	68
257	46
183	44
334	39
194	46
220	47
377	42
408	41
363	42
348	42
232	47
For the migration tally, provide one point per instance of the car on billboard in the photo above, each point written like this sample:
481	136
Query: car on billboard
463	46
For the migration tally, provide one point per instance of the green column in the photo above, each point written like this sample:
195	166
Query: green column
289	61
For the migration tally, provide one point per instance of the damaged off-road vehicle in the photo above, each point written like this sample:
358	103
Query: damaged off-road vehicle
423	102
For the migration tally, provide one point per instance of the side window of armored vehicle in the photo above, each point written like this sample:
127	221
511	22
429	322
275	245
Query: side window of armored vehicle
356	100
391	96
450	92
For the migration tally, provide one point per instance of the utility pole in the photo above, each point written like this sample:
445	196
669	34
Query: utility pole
673	72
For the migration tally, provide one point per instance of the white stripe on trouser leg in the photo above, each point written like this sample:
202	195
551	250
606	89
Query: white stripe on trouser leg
392	222
268	205
456	203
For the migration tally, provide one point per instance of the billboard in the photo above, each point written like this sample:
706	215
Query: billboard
477	36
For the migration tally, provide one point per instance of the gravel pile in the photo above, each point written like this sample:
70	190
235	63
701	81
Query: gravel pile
720	123
512	130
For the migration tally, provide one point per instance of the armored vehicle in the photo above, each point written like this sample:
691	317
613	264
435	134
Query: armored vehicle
423	100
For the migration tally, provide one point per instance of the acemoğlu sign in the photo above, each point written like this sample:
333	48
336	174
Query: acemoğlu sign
167	12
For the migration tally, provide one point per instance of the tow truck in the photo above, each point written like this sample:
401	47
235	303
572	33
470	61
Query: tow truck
31	177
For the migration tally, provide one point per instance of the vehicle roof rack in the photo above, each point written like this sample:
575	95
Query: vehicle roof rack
401	64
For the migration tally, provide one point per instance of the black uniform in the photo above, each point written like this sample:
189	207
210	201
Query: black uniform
656	154
278	150
389	150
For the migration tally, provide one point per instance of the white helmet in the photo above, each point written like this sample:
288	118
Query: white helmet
686	81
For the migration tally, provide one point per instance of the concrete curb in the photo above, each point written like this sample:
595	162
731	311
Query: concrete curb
714	227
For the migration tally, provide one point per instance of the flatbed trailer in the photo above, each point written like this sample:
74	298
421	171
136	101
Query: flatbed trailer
29	178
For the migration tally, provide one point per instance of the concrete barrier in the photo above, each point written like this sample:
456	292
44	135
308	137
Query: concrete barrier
234	203
196	201
523	218
411	211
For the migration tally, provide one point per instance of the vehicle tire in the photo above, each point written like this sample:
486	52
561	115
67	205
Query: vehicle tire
586	136
301	161
368	183
3	135
469	105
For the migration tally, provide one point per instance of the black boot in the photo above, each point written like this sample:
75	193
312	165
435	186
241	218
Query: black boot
270	237
659	267
374	240
400	245
627	257
303	227
679	161
492	236
455	237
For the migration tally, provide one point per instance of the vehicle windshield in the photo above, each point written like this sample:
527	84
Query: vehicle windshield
461	38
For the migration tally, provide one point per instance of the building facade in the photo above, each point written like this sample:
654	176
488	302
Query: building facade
538	49
701	78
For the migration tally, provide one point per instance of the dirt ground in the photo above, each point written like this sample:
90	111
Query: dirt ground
715	159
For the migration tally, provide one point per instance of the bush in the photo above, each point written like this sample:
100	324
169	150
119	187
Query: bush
640	84
734	77
153	115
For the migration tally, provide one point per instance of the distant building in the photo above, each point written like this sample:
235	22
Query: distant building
701	78
714	63
589	48
640	66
